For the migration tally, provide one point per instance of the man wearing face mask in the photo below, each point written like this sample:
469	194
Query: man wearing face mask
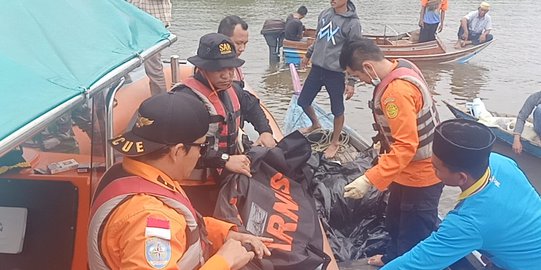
405	117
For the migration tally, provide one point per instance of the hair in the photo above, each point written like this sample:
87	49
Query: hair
302	10
475	172
356	52
227	25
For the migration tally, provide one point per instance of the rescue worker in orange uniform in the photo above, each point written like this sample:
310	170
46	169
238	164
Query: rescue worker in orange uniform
141	217
405	117
229	105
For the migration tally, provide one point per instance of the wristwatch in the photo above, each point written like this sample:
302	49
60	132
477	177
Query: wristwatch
224	158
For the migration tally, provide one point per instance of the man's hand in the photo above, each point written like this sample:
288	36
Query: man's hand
483	38
465	35
235	254
440	28
517	144
421	23
304	61
258	243
350	91
239	164
266	139
358	188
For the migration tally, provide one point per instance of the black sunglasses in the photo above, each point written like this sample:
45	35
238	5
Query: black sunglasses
202	147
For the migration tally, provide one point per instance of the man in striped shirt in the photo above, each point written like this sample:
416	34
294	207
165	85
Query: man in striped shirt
160	9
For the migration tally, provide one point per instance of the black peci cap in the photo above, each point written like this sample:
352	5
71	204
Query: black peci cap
165	119
463	143
216	52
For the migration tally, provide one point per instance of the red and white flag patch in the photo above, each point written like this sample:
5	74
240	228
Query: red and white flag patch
158	228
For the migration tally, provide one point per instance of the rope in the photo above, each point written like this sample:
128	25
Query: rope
319	145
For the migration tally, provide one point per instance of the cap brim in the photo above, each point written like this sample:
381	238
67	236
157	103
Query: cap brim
215	64
132	145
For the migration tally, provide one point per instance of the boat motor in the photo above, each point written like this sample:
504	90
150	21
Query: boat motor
274	31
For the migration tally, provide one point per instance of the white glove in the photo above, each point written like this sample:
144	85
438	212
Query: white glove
358	188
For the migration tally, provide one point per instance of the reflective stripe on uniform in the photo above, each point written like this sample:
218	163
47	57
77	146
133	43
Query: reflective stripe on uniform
427	117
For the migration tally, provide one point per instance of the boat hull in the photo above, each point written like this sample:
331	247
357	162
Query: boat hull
397	46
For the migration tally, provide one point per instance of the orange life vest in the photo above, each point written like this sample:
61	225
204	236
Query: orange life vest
223	130
427	118
117	192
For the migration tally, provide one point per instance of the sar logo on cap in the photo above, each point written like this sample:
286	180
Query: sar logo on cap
143	121
225	48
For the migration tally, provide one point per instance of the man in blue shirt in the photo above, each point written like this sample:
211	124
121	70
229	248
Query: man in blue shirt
498	212
432	18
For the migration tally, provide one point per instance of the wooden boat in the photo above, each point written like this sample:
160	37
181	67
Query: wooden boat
435	51
528	160
294	51
403	45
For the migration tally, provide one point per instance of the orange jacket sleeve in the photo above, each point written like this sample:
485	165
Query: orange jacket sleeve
444	5
400	102
217	231
126	243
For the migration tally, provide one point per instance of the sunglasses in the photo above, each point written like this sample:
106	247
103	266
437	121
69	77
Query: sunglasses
202	147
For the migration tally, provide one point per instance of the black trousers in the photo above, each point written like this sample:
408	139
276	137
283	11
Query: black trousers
412	214
428	32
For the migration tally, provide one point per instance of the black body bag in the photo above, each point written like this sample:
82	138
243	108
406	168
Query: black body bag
275	203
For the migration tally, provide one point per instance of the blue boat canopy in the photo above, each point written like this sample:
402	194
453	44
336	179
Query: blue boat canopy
56	53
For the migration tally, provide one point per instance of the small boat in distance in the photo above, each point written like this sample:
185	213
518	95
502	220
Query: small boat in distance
402	45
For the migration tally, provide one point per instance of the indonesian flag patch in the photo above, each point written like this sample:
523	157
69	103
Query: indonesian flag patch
158	228
157	243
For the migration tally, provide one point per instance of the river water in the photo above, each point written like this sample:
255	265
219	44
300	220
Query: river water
503	75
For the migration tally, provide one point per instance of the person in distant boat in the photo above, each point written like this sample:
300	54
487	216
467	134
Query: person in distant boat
160	9
498	212
475	27
294	28
405	117
212	83
236	29
431	19
532	104
141	218
335	25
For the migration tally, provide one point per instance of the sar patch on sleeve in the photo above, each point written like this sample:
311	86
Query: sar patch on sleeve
157	252
391	110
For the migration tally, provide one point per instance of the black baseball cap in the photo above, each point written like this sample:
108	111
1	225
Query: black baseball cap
215	52
462	143
164	119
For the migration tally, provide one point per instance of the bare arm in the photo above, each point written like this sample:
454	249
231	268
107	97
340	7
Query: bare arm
440	28
421	17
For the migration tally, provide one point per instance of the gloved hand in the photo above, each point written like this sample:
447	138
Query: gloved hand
358	188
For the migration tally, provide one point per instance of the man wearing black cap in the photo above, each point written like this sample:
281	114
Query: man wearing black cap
141	217
498	212
228	105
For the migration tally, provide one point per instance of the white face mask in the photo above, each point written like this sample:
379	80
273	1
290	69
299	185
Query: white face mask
374	81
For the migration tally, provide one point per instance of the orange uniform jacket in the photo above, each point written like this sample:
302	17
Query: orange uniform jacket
397	164
443	5
124	243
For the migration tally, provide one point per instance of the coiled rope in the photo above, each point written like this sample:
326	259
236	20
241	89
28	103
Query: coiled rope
320	139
